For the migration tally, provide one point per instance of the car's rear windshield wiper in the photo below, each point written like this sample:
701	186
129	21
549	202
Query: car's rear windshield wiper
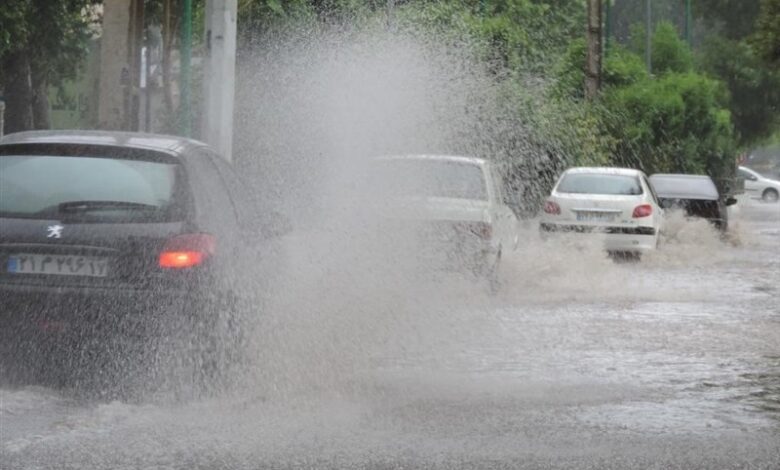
84	206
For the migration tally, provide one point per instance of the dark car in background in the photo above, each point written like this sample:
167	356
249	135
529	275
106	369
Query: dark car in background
117	236
697	195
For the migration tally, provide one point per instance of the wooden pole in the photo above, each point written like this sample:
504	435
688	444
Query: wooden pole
594	51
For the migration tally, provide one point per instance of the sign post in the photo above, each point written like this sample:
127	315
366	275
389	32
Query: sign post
219	76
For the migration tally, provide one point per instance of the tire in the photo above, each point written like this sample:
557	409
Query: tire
625	256
216	344
19	362
493	276
32	358
770	195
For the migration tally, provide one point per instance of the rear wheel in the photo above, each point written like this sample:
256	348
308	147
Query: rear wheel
493	276
625	256
216	344
20	359
770	195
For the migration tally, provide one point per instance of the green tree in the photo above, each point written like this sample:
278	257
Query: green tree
675	123
676	120
669	52
515	35
766	39
730	19
754	89
724	52
49	42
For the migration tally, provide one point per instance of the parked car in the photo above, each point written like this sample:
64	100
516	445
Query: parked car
618	203
106	234
697	195
758	186
455	203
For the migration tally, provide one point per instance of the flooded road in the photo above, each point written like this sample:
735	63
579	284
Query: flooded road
580	362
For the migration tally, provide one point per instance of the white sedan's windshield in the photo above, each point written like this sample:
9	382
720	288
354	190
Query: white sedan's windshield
429	178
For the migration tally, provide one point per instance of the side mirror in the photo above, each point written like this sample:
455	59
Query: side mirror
730	201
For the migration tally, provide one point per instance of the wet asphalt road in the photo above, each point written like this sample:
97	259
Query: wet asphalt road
673	362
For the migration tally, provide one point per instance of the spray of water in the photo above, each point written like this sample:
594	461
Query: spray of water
313	113
337	297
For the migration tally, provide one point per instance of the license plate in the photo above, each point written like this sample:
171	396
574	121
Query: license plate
66	265
595	216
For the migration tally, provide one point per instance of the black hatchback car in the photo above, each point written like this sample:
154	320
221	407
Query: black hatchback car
697	195
110	234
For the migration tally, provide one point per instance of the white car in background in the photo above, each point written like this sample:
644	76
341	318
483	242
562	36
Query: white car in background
620	204
454	204
757	186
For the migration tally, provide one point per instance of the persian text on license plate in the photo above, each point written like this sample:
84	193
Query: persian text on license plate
68	265
595	216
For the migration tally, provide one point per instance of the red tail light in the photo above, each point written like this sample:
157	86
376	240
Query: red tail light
643	210
551	207
481	229
187	251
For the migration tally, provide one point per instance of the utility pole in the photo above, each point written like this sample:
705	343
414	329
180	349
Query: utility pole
688	27
219	76
649	36
185	85
608	27
593	66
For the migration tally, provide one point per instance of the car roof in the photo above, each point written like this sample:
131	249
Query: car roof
169	144
604	170
441	158
684	186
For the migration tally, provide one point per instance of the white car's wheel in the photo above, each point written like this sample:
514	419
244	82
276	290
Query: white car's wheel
770	195
494	277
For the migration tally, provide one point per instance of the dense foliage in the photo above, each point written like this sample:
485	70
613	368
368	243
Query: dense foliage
694	113
697	109
724	51
676	120
42	43
767	35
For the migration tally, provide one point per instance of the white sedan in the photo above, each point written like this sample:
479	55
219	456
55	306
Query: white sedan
618	203
758	186
456	204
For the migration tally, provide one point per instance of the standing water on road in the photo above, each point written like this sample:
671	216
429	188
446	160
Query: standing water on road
360	361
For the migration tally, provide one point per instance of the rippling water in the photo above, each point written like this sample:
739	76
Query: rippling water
580	363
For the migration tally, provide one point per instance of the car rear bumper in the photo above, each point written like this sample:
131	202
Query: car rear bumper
633	239
30	308
478	261
436	250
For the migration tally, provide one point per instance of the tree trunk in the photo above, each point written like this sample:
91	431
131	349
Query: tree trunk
17	92
593	66
40	99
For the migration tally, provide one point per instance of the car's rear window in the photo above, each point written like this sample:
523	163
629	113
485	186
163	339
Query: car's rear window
600	183
694	187
430	178
88	189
